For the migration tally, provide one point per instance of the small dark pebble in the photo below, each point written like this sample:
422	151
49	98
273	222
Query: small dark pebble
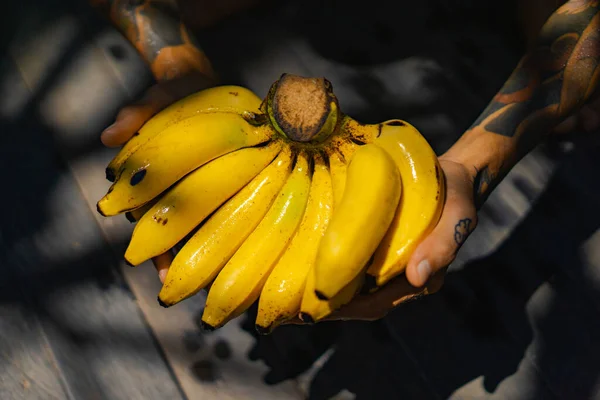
222	349
205	371
193	341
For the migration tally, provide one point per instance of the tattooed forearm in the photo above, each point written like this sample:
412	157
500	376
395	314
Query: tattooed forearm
484	182
156	31
551	82
554	79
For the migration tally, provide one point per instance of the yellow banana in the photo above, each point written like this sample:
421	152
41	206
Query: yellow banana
371	196
282	294
313	309
227	98
338	170
209	249
338	154
423	197
178	150
192	199
240	282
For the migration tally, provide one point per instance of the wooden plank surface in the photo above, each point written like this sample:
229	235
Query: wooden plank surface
96	341
517	318
191	355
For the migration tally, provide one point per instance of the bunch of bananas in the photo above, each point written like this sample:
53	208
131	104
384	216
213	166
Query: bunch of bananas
287	200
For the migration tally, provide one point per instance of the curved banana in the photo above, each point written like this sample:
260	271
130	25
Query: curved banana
371	196
227	98
239	283
178	150
313	309
282	293
423	188
208	250
192	199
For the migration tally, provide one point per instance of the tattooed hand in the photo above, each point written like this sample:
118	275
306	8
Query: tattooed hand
552	84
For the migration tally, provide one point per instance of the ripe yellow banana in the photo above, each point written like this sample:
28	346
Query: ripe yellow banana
176	151
313	309
227	98
282	293
423	188
338	176
285	200
240	282
209	249
192	199
371	196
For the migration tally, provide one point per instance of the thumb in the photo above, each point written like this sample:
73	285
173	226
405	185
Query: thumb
458	220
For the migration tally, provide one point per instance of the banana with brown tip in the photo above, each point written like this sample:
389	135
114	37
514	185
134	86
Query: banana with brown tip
282	293
371	196
212	246
175	152
422	201
240	282
227	98
191	200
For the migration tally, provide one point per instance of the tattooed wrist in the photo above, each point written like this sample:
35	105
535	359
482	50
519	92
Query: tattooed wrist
484	182
553	80
557	76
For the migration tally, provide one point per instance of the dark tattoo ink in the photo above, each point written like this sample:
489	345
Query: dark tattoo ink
558	75
462	229
553	79
483	184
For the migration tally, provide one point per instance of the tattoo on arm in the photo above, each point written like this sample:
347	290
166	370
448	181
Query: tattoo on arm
154	28
553	80
484	182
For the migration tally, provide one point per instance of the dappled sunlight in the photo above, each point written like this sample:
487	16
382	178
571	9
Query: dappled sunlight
516	317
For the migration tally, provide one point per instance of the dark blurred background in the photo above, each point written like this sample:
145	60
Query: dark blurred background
518	317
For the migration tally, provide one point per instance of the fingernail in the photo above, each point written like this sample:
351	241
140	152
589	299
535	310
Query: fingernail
424	270
108	128
162	274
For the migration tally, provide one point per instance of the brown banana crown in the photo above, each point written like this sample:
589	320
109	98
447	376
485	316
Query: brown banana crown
302	109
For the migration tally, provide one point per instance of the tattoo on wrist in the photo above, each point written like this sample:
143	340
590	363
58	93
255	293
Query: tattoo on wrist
462	230
553	79
484	182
